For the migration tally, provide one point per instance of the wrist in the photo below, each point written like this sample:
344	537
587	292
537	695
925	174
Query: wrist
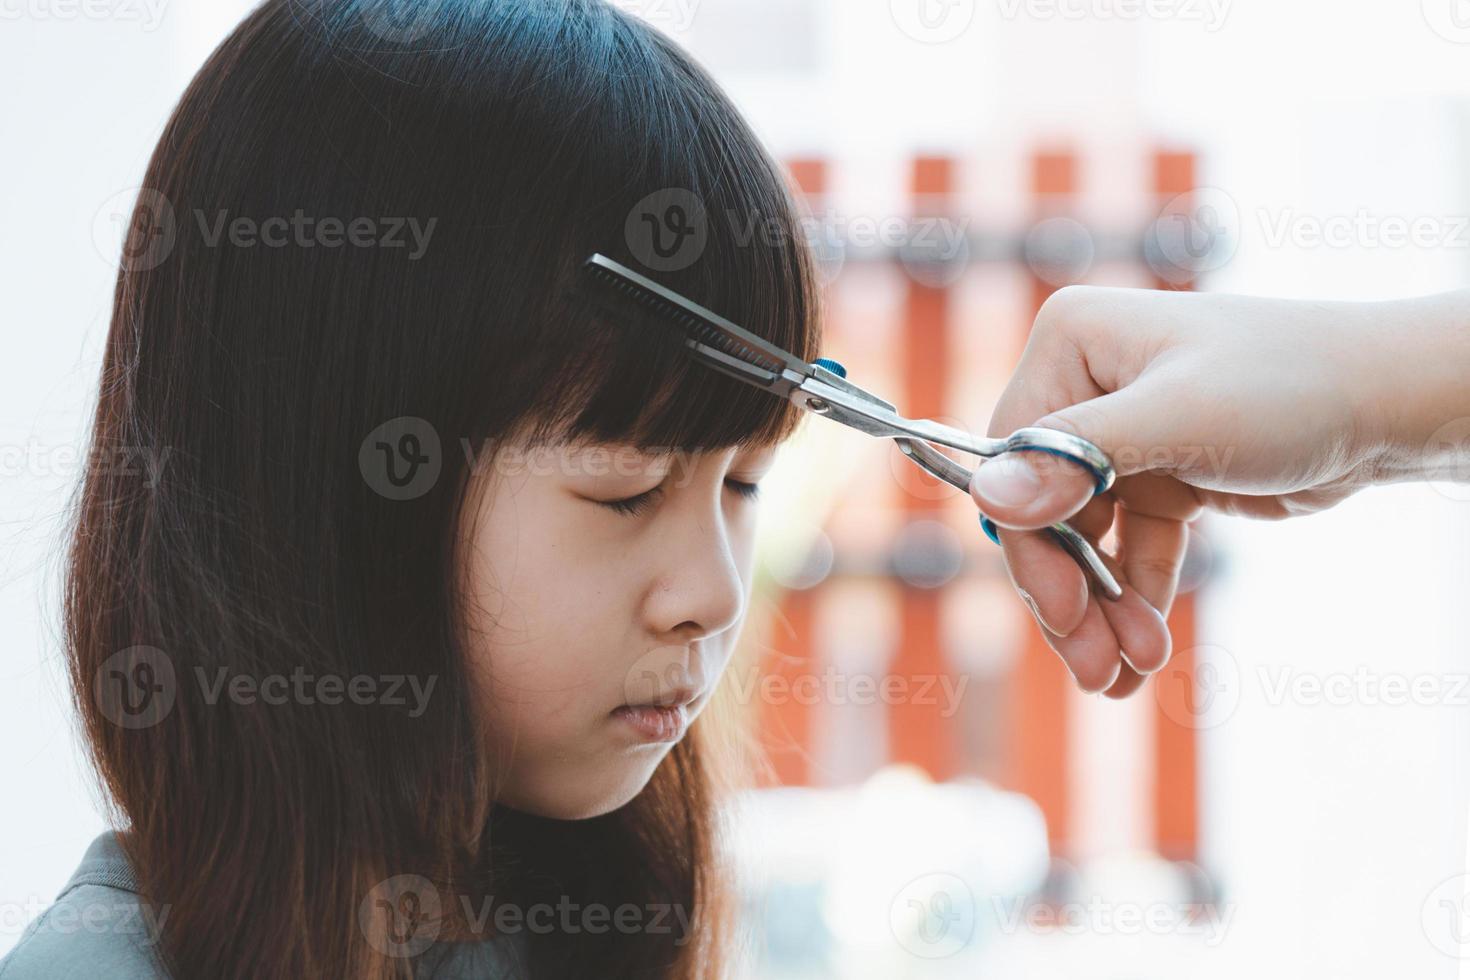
1412	370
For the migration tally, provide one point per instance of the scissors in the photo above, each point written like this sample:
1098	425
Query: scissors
821	388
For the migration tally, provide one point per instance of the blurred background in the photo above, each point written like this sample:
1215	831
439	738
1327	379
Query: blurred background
1289	796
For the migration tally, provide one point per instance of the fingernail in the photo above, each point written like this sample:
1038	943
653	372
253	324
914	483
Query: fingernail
1007	480
1036	611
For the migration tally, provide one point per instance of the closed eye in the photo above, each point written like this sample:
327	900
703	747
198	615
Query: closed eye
749	491
633	506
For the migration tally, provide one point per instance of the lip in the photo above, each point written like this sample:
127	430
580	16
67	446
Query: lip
655	722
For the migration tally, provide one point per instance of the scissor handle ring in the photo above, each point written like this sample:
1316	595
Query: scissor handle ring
1037	438
1067	446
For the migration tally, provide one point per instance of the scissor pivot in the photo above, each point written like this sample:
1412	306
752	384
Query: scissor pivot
834	366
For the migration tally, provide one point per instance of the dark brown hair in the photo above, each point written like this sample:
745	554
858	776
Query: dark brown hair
532	133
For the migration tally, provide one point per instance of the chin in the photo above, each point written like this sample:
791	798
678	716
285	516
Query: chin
575	797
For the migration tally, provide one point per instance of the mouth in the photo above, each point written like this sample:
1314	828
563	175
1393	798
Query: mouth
652	723
664	719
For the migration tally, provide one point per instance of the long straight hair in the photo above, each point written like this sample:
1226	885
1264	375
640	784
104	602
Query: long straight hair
277	321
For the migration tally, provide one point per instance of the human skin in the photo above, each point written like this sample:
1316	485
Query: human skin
576	608
1263	408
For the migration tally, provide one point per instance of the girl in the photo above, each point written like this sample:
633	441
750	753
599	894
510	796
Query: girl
388	670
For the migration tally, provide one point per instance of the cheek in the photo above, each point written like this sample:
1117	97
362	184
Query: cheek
546	619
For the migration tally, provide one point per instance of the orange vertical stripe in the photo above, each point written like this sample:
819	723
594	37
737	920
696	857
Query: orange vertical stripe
1041	680
1176	747
787	727
917	732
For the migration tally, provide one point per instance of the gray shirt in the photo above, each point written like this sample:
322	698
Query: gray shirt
99	926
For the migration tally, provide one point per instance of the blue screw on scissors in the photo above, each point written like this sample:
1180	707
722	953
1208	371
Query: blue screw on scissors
821	387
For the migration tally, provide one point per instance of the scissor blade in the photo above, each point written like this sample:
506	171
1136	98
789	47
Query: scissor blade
706	328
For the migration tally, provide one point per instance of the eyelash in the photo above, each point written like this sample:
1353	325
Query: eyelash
633	506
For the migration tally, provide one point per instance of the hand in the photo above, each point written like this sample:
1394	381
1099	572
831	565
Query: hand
1257	407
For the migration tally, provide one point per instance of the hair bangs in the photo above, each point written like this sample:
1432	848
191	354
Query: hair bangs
689	162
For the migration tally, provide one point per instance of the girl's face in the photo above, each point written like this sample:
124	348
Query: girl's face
602	579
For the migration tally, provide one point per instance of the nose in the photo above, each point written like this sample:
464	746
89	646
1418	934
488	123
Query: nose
699	590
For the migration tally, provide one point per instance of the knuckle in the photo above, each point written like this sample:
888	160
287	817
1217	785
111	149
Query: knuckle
1066	308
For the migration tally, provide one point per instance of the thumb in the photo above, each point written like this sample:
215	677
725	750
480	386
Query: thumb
1033	489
